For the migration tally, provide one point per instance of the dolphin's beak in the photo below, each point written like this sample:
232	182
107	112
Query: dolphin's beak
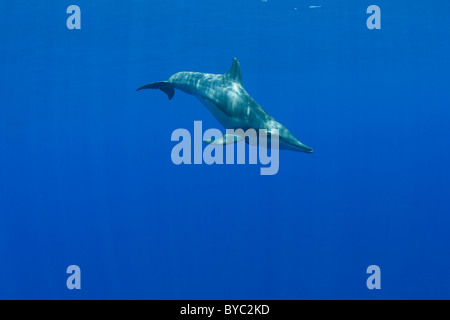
303	148
295	145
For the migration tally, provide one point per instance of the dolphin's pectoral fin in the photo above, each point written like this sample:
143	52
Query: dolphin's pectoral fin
235	72
225	139
164	86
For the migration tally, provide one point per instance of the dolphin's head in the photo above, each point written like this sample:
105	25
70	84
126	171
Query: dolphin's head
289	142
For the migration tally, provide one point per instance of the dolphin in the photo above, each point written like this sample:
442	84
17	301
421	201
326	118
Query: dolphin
225	97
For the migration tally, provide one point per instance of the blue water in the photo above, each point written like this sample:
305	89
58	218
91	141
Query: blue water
86	176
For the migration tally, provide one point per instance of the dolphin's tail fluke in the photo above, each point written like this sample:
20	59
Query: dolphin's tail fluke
164	86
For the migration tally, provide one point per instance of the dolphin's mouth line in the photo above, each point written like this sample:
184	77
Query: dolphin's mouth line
308	150
302	147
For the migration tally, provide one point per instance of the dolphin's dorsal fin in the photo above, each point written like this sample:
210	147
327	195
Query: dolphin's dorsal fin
235	72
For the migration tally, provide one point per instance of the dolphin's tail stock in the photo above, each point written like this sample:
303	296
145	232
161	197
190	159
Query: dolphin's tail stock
164	86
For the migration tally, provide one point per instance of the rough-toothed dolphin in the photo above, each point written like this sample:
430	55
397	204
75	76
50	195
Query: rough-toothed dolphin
224	95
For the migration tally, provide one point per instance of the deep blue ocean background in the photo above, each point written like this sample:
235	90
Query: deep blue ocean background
86	176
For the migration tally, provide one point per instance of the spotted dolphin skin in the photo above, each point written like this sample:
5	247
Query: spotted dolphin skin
224	95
